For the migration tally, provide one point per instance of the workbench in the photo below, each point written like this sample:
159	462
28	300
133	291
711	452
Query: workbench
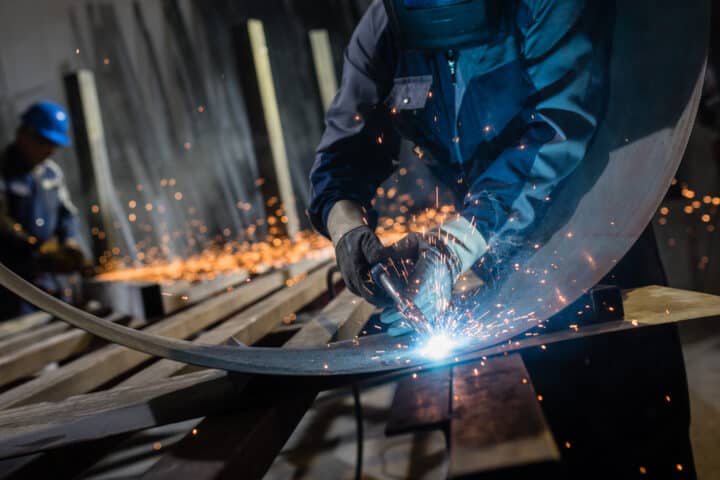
504	409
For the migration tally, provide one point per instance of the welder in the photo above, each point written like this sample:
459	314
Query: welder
38	221
502	97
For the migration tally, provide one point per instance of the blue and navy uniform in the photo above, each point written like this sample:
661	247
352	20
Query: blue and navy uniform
34	207
502	131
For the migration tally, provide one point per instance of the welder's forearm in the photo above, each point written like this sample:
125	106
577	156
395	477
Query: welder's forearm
344	217
359	142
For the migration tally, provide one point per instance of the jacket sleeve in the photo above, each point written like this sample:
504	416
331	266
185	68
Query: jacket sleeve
563	64
12	236
359	143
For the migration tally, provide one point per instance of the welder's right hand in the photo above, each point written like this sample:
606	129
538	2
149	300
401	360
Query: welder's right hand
358	250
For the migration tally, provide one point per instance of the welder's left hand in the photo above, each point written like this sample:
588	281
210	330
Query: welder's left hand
444	255
57	258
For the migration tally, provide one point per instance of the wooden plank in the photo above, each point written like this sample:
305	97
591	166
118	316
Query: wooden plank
244	444
27	361
324	66
25	339
8	328
39	427
257	81
248	326
421	402
93	370
181	295
92	155
32	359
150	300
343	310
657	305
497	422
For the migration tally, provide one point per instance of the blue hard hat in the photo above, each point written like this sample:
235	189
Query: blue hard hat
50	121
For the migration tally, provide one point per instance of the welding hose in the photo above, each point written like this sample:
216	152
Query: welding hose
359	421
360	431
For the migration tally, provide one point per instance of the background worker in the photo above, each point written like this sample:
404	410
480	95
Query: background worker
38	222
502	97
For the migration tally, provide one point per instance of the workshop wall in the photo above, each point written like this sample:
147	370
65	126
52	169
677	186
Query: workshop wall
173	110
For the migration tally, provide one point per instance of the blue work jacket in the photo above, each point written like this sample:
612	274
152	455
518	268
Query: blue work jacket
33	205
511	126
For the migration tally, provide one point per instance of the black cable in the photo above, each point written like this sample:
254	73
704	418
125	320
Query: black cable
359	423
360	432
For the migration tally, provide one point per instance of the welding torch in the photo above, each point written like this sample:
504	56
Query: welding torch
410	312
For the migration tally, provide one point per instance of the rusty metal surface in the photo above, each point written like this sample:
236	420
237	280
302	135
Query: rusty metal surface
657	72
421	402
497	421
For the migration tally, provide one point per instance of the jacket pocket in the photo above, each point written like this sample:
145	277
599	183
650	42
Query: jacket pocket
410	93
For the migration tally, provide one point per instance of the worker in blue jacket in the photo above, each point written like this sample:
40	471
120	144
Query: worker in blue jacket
38	222
502	97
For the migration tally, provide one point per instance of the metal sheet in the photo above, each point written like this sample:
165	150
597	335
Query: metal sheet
657	72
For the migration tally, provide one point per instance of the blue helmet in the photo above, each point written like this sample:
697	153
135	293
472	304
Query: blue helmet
49	120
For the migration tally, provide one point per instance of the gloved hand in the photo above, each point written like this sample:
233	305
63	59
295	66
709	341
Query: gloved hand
444	255
55	258
358	249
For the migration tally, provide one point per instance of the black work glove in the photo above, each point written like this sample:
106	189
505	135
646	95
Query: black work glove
443	255
359	250
61	259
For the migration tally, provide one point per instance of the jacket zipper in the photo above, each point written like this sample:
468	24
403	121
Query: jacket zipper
452	60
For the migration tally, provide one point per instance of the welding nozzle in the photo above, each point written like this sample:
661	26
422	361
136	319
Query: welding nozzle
407	308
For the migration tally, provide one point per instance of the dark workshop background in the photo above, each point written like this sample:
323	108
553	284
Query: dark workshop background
176	118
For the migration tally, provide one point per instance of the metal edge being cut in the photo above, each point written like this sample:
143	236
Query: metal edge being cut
677	70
